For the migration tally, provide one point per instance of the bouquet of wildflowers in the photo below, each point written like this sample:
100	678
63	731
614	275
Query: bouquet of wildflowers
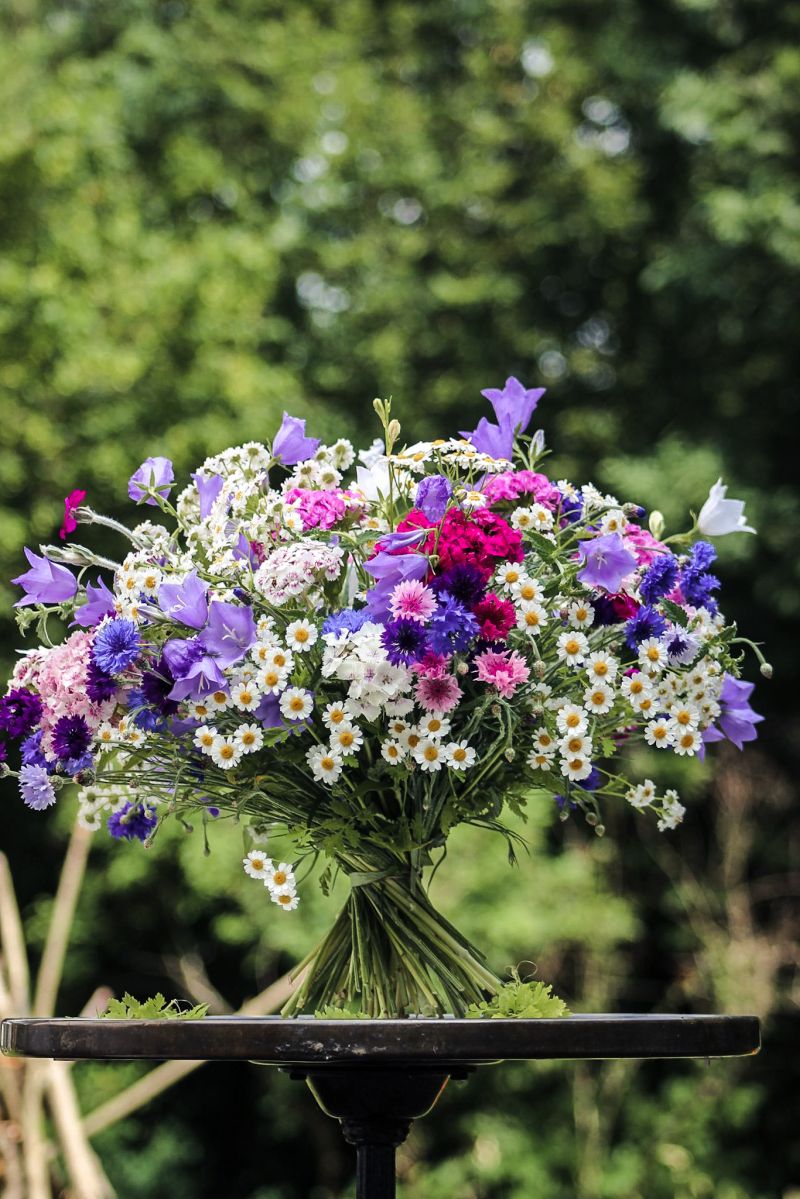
351	659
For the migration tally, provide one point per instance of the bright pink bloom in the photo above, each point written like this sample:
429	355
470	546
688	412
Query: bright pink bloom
72	501
437	694
319	509
412	600
504	671
513	485
496	617
432	666
643	544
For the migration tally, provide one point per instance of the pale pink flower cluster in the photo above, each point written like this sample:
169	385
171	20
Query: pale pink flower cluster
296	569
505	671
60	679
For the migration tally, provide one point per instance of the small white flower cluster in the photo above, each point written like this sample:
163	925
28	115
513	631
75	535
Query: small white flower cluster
359	659
671	811
298	569
279	880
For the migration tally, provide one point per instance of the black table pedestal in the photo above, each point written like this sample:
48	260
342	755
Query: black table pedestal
376	1109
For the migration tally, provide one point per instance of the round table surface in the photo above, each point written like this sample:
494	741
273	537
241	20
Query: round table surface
418	1040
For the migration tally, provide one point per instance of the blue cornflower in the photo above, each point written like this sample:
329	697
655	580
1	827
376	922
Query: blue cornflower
71	738
571	508
132	822
32	754
35	787
349	620
451	628
646	623
659	578
404	641
701	556
116	646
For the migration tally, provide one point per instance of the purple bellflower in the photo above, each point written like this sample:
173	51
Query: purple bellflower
195	673
45	583
389	570
606	562
291	445
737	720
186	602
514	403
229	634
154	475
99	603
207	491
432	496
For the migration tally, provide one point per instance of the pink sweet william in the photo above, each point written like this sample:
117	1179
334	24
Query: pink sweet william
504	671
643	545
514	484
319	509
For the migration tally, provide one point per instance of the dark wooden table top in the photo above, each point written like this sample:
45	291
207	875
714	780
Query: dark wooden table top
418	1041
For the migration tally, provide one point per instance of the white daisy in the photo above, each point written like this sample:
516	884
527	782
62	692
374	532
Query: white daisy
580	615
397	727
282	659
392	752
658	733
571	719
347	738
296	703
572	647
531	617
271	680
245	697
576	768
301	635
527	591
325	763
249	738
281	875
459	755
433	726
257	864
538	760
614	521
575	745
218	701
686	741
106	734
544	742
652	654
285	898
509	574
225	753
599	699
601	667
672	812
199	710
523	519
335	714
429	755
205	737
646	704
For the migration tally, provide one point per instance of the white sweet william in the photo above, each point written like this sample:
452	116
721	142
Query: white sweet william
720	516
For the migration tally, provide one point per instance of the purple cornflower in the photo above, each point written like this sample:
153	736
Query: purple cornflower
695	581
45	583
71	737
290	444
186	602
20	710
154	475
35	787
432	496
31	751
737	719
464	582
451	628
99	603
132	822
606	562
659	578
156	686
230	632
144	717
404	641
646	623
571	507
349	620
207	491
99	685
116	646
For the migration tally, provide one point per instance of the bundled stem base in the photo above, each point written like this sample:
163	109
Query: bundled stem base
390	953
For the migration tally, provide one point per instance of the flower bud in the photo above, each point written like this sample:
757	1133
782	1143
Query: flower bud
509	754
599	830
495	711
656	523
84	778
591	819
539	669
766	670
393	430
462	668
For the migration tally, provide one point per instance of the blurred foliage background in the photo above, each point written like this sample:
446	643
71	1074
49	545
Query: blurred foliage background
210	212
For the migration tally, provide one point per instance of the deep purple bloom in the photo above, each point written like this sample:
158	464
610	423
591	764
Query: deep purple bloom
451	628
156	685
3	751
701	556
659	578
290	444
230	632
432	496
154	475
606	562
592	781
404	641
20	710
514	403
571	507
144	717
349	620
116	646
737	719
495	440
389	570
465	582
695	581
99	603
31	752
35	787
132	822
99	685
186	602
195	673
646	623
71	737
73	766
45	583
207	491
268	713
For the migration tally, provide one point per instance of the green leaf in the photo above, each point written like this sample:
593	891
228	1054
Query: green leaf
675	612
155	1008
